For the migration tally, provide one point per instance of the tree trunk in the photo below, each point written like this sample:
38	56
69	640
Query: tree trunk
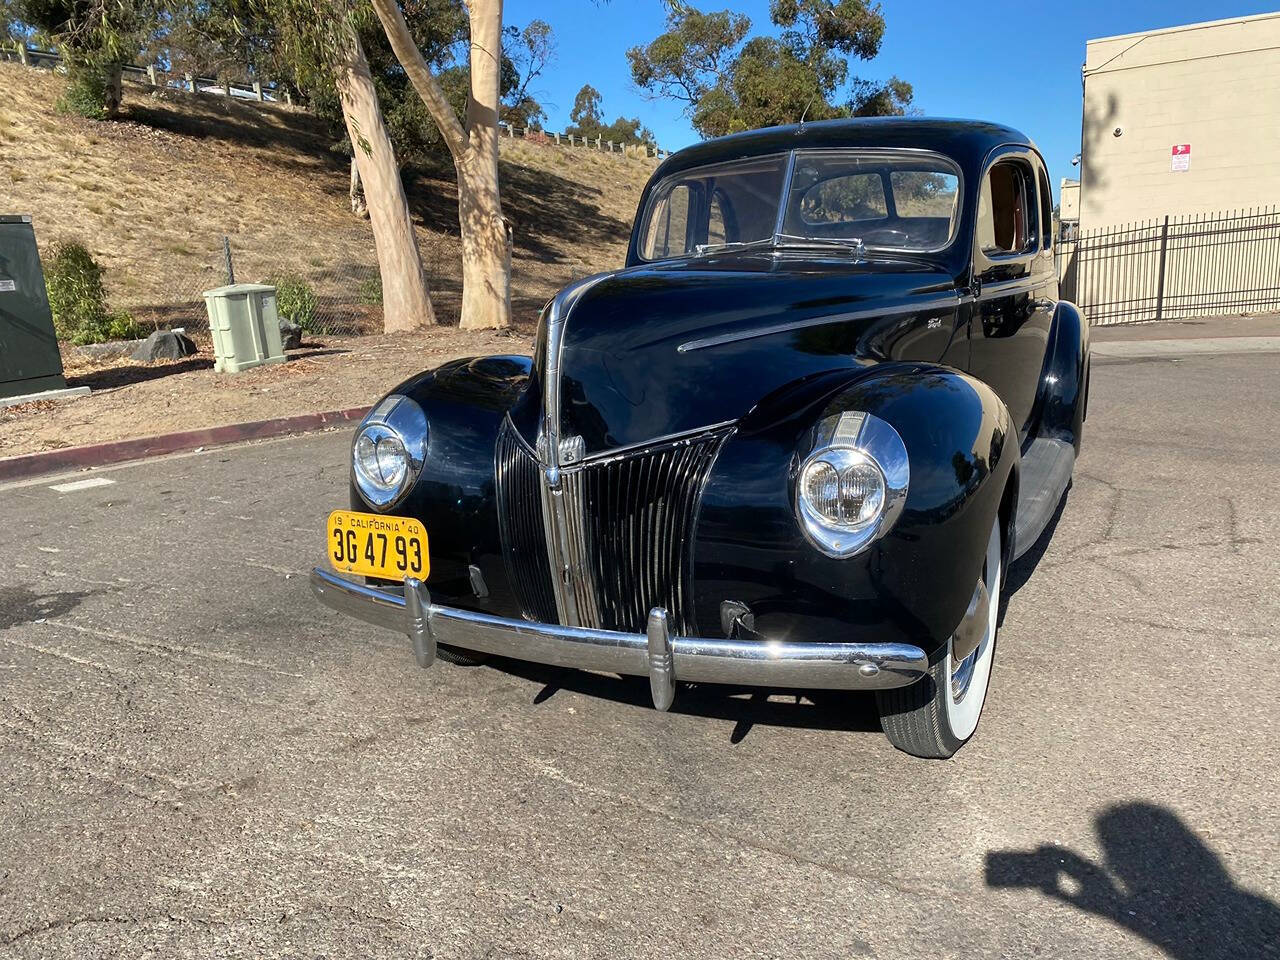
358	205
113	92
406	304
486	240
486	243
486	250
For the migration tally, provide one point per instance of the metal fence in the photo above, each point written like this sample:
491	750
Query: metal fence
1175	267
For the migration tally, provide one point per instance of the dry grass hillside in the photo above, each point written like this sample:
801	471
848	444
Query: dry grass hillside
153	194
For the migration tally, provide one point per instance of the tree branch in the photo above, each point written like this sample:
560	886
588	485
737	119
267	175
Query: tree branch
420	75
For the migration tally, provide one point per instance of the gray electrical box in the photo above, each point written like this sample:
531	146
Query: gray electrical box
29	358
245	326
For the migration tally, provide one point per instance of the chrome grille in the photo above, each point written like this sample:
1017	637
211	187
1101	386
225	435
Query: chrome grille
524	538
628	522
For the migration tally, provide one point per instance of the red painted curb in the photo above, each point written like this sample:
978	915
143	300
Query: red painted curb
100	454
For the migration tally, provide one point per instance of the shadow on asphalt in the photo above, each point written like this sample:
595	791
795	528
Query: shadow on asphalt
21	604
747	706
750	706
1020	570
1156	879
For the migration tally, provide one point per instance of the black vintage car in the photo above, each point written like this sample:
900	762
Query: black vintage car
794	443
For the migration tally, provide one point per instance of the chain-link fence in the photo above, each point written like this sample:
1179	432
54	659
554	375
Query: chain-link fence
335	293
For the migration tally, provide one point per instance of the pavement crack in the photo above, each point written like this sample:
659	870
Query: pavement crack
161	648
760	846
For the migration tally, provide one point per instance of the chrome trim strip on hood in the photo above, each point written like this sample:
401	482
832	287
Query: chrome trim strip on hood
562	520
950	298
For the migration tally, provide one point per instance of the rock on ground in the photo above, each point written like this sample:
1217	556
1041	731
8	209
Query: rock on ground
290	335
165	345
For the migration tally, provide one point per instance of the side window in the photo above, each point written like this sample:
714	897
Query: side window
1046	212
1007	210
858	196
717	232
669	225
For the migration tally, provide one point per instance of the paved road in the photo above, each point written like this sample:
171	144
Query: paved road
199	761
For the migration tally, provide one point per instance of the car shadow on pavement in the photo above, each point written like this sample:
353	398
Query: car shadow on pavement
1157	879
1020	570
746	706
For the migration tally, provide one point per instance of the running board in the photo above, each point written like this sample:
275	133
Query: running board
1046	471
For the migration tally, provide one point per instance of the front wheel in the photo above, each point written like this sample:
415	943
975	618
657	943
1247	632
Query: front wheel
935	716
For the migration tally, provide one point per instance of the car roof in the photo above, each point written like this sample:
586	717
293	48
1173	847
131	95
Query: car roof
967	141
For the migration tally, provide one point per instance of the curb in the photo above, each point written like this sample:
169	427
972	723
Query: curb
101	454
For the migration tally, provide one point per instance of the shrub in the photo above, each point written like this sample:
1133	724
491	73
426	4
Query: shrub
78	302
74	281
85	95
295	300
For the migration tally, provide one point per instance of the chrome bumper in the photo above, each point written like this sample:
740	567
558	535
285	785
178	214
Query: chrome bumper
656	654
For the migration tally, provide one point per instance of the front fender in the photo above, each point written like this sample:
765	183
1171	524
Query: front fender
912	585
464	402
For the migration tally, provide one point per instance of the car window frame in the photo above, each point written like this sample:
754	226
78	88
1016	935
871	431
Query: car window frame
788	171
983	261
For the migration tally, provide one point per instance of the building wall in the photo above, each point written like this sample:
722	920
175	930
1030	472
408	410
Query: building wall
1215	86
1069	200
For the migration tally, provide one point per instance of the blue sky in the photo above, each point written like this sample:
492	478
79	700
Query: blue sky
1016	63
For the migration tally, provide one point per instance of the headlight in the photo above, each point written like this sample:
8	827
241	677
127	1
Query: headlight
851	487
389	450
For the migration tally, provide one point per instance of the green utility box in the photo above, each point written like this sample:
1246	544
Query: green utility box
245	326
29	359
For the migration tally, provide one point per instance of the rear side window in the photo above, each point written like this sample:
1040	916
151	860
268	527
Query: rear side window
669	234
1008	214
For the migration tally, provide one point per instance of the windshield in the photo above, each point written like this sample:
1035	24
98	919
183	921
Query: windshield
885	199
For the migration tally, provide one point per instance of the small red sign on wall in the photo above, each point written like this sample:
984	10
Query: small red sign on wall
1181	158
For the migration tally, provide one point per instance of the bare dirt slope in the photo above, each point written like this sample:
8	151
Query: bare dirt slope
153	194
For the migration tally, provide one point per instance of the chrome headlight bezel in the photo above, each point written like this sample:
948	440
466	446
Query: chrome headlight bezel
844	440
397	419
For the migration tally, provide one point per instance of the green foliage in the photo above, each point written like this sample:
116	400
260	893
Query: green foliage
588	121
78	301
86	92
95	39
369	292
528	51
730	81
295	300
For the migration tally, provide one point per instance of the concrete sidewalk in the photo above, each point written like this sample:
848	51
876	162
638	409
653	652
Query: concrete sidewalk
1209	336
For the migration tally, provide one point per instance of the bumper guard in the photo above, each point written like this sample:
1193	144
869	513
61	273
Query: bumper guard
657	654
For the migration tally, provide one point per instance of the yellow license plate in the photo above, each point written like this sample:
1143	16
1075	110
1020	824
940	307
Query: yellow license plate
373	545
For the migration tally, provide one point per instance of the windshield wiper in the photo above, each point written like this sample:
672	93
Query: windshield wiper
702	249
847	243
775	242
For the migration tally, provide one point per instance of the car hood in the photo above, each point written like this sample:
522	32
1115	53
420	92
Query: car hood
666	348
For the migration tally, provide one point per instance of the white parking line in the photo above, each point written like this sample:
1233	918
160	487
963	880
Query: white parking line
86	484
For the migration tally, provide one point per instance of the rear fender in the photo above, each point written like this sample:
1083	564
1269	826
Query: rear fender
913	584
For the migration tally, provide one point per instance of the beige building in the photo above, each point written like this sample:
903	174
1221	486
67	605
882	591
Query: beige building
1181	121
1069	200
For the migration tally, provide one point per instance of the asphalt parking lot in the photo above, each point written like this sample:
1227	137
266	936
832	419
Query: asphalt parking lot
200	761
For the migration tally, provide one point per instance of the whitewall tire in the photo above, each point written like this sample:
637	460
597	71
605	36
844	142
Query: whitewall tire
937	715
